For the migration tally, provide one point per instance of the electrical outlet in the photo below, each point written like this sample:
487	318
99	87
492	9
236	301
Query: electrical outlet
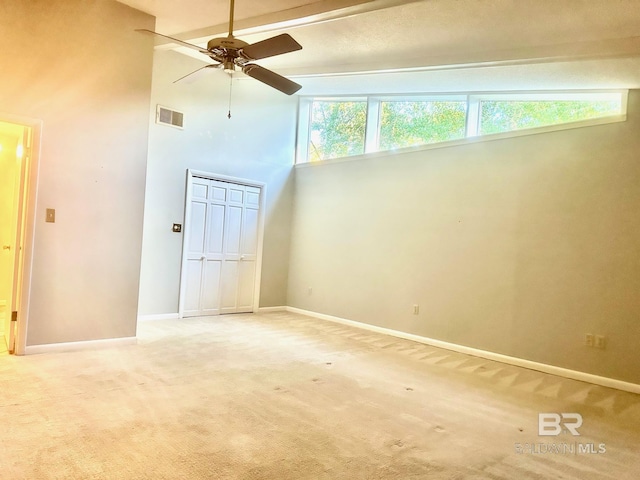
588	339
416	309
600	342
310	290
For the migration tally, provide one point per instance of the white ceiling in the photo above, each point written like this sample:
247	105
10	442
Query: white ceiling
372	35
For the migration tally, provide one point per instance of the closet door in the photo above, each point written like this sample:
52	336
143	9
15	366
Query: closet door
222	230
199	268
240	249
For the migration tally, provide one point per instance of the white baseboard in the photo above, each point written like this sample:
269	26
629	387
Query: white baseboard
84	345
159	316
272	309
518	362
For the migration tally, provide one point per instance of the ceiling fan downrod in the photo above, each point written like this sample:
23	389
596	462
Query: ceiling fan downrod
231	5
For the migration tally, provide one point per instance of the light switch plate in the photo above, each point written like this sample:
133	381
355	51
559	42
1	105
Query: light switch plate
51	215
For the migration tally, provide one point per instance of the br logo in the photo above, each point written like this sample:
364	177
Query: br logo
550	424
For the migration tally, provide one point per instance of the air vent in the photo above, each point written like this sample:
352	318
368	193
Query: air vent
170	117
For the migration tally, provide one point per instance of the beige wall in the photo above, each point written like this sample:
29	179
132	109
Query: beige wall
257	143
78	66
518	246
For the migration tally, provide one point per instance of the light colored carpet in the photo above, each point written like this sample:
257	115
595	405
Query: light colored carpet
282	396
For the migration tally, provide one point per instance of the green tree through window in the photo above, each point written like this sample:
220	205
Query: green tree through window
337	129
406	123
504	116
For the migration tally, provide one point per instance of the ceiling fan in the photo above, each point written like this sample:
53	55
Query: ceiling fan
230	52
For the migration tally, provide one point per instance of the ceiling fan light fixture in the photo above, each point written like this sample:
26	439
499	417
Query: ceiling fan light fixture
229	67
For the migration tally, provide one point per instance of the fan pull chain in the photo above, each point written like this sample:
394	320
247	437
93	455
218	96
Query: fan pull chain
230	90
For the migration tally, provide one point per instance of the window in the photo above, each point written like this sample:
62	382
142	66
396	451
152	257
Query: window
507	115
408	123
337	127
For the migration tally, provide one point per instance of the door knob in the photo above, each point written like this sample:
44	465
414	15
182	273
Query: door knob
6	247
241	257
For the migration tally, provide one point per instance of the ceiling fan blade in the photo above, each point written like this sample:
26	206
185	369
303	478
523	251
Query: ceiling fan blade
271	78
175	40
271	46
196	74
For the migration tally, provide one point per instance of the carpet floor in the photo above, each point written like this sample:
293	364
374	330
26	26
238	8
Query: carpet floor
283	396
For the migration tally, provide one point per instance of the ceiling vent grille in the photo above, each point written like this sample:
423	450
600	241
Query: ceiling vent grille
166	116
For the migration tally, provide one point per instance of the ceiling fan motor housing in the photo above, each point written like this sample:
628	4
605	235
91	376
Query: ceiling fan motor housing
230	43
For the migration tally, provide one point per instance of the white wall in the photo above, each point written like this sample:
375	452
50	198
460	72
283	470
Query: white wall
517	246
78	66
257	143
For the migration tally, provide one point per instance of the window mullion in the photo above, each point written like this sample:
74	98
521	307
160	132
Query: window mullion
473	115
372	127
304	127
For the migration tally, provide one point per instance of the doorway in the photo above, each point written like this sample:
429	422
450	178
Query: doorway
222	245
17	197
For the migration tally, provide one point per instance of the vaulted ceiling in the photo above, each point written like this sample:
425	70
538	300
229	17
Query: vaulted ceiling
372	35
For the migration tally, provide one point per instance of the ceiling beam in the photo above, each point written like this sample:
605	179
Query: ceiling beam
579	51
304	15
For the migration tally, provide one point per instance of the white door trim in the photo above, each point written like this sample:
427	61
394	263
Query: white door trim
31	184
187	214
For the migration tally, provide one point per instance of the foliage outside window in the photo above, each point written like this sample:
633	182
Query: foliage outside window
505	116
338	127
406	123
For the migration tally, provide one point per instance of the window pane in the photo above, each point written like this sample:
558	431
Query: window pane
337	129
404	124
503	116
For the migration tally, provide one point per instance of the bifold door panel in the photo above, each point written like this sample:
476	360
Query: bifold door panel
222	243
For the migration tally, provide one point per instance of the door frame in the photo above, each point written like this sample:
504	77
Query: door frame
28	194
187	219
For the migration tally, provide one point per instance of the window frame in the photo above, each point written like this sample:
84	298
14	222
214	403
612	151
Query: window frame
472	121
414	98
